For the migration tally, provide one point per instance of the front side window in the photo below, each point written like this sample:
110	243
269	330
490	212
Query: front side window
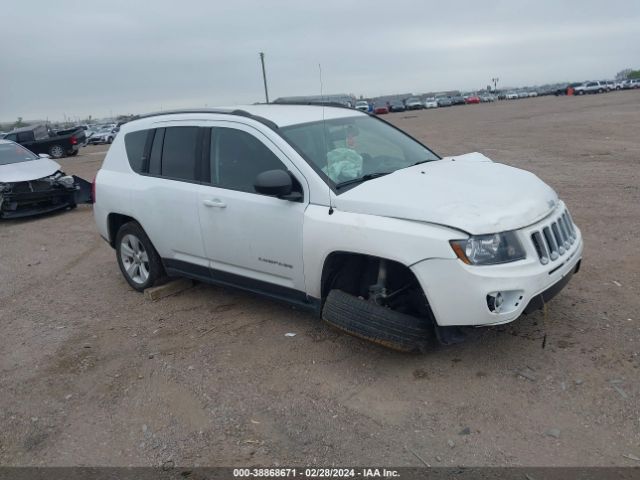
347	149
13	153
179	153
237	157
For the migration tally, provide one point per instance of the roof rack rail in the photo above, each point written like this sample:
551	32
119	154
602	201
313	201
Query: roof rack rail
308	103
238	112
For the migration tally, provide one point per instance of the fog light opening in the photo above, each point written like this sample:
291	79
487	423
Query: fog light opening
495	302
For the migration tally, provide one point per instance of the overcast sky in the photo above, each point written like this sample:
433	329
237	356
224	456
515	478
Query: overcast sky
84	58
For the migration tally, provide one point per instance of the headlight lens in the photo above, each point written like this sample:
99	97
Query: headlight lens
489	249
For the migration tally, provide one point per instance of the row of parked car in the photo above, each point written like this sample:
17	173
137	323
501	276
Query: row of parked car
600	86
416	103
58	143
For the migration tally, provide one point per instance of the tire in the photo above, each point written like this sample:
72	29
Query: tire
137	258
56	151
375	323
73	153
109	140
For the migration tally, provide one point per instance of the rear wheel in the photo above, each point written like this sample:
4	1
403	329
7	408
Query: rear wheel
137	258
56	151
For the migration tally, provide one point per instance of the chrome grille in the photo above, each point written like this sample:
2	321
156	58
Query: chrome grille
553	240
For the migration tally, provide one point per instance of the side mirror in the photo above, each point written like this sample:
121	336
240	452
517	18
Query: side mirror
43	155
277	183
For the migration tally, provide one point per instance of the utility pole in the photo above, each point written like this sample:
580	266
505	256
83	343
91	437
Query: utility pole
264	77
495	81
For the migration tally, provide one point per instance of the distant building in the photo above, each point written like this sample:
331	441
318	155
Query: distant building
342	98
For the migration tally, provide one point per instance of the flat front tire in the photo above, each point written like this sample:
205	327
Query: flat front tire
137	258
376	323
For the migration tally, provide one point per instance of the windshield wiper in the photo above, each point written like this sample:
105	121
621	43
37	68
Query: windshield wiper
364	178
421	161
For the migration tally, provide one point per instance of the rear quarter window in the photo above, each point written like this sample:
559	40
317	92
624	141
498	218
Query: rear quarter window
134	143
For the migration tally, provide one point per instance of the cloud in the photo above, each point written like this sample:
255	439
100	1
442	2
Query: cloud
77	58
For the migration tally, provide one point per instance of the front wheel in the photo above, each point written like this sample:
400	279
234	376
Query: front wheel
137	258
109	140
56	151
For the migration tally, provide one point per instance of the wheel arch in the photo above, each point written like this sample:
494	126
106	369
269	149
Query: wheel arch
114	222
358	263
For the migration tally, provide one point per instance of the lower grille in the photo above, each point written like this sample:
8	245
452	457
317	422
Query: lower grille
553	240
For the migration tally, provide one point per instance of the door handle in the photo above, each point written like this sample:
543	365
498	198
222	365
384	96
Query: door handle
215	203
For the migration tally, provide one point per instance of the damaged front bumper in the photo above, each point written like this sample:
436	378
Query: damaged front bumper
34	197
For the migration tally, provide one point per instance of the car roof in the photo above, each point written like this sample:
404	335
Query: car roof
279	115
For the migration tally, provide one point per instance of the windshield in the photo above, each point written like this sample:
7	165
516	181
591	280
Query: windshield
346	149
14	153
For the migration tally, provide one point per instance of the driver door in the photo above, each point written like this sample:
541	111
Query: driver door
251	240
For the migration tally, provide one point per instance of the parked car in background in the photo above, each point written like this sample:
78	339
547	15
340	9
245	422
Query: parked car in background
457	100
523	94
487	97
512	95
472	99
413	103
633	83
418	246
104	135
396	106
444	101
532	93
380	109
362	105
78	132
431	102
608	85
590	87
32	184
39	139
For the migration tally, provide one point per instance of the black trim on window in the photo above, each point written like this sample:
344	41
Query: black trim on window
226	279
147	150
198	154
205	165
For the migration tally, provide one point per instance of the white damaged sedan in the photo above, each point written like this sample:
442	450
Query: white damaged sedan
32	184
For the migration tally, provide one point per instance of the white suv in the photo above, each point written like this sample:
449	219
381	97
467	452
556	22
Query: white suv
337	212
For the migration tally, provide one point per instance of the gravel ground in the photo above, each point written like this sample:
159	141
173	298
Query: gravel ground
91	373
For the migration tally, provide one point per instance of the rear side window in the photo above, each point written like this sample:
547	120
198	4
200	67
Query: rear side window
25	137
179	153
134	143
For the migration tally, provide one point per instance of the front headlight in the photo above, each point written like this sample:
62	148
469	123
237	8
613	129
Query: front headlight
489	249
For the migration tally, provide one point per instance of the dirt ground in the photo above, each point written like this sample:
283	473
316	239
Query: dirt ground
91	373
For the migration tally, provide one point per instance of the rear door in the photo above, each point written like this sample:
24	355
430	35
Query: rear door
165	194
251	239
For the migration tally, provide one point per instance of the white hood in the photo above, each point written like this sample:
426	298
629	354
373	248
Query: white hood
31	170
468	192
